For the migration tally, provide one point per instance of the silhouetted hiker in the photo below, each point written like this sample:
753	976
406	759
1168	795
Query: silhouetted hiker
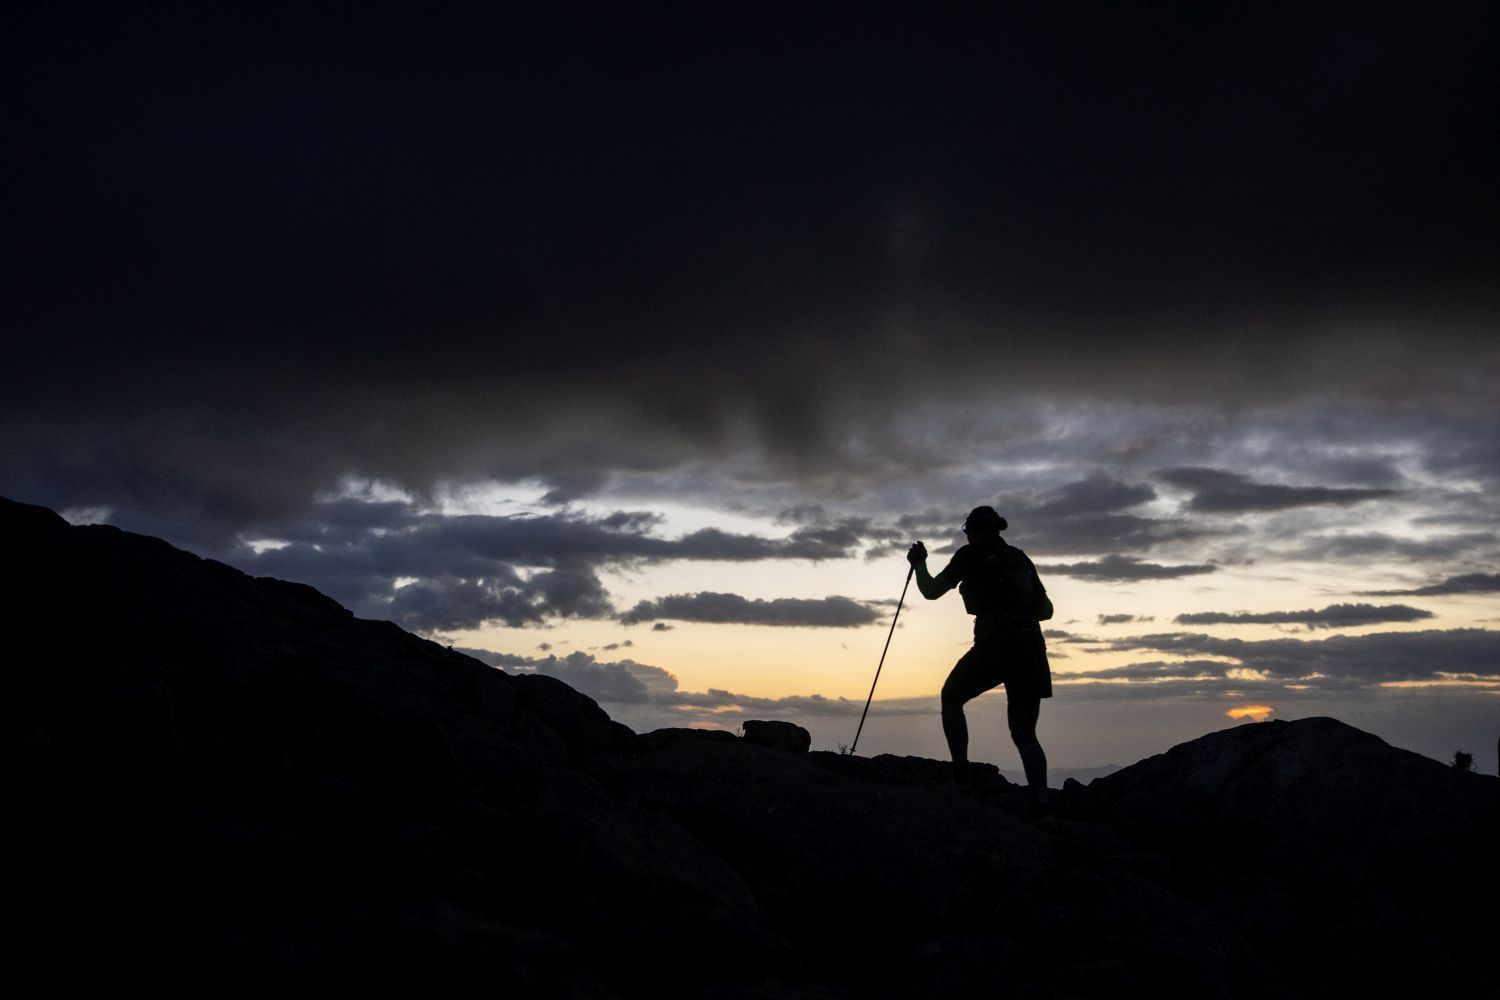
1001	590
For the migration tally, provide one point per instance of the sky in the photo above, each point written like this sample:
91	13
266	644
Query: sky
633	344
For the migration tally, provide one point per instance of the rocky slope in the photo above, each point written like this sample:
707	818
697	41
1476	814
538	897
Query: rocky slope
220	785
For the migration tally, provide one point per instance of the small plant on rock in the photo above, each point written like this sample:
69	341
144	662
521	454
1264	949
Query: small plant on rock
1463	760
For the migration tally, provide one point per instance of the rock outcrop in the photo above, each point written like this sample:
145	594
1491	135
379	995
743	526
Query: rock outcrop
777	735
221	785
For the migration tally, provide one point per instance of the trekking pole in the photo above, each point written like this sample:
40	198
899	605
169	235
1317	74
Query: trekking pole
888	635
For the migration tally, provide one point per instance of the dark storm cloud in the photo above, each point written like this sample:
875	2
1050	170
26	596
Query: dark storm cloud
1123	569
819	526
463	571
1464	583
1364	471
401	536
1218	492
1098	494
1092	515
247	255
1333	616
1105	532
1341	659
1082	516
707	606
1317	548
1474	457
445	603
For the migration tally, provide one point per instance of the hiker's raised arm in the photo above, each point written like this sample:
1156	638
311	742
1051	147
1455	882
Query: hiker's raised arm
931	587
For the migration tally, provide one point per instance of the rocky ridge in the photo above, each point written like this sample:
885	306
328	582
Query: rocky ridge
223	785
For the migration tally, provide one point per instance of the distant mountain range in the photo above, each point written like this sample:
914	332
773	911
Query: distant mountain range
219	785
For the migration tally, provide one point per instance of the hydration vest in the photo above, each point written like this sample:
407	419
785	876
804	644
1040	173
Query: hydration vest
1001	582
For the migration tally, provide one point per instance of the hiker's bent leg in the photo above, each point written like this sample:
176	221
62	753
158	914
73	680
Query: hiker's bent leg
1022	714
971	676
955	726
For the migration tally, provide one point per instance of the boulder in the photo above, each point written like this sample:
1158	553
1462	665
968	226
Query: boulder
778	735
658	738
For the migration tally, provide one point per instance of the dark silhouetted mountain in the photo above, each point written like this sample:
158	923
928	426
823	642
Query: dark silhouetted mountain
226	786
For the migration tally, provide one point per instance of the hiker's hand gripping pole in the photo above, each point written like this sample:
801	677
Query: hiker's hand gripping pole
888	635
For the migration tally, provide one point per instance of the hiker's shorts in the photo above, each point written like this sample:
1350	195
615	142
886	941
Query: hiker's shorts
1017	659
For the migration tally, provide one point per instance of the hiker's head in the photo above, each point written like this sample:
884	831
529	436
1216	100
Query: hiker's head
983	522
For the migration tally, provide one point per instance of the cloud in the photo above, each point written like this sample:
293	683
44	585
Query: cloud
1368	545
1120	569
1156	670
430	572
1465	583
1079	516
1097	494
1333	616
623	684
1124	619
252	290
1216	491
718	608
1359	660
445	603
495	659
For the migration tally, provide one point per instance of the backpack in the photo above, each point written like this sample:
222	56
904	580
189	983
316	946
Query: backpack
1004	582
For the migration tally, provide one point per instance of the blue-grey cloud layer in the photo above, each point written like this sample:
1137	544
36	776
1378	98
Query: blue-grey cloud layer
1123	569
433	572
1326	663
1333	616
1217	491
1464	583
719	608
